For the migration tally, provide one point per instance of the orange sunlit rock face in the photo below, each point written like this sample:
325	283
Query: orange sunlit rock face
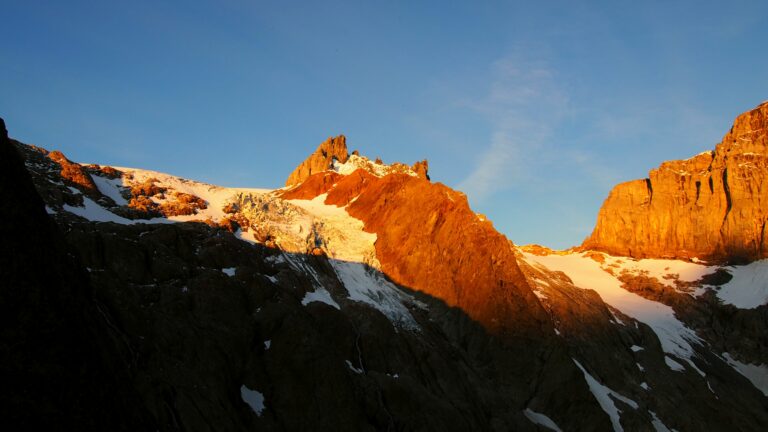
313	186
173	203
430	240
74	172
421	169
712	206
320	160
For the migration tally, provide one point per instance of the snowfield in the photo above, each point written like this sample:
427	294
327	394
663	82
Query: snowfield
216	196
585	272
747	289
343	235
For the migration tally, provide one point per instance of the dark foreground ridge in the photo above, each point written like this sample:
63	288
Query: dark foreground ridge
58	363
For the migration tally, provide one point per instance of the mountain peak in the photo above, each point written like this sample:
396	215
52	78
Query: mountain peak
334	148
332	155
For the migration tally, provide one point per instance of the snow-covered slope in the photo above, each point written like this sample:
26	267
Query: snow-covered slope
294	226
749	287
217	197
600	272
342	236
585	272
356	162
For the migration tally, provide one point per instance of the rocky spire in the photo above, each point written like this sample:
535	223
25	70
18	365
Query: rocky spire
712	206
421	169
320	160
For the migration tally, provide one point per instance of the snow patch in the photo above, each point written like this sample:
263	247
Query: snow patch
253	398
353	368
110	188
586	273
369	286
657	424
96	213
355	162
319	295
675	366
229	271
267	344
246	236
749	287
636	348
541	420
756	374
603	394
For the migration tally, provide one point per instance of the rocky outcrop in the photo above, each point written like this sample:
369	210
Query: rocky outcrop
713	206
321	160
75	174
151	200
421	169
332	155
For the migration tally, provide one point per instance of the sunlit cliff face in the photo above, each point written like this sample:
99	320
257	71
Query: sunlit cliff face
428	239
713	206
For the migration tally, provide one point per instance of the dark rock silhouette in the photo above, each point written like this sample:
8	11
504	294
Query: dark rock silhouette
59	363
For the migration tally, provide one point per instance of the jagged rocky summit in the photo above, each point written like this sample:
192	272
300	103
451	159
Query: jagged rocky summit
332	149
713	206
332	155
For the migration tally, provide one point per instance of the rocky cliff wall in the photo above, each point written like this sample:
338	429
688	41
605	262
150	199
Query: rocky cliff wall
713	206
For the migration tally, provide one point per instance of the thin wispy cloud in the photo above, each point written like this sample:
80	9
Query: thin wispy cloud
524	104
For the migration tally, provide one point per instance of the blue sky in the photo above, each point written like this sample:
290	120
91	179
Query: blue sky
533	110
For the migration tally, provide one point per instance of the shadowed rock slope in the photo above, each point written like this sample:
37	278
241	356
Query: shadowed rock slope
713	206
60	363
